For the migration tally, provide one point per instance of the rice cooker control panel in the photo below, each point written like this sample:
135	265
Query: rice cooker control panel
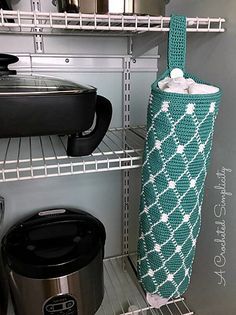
61	305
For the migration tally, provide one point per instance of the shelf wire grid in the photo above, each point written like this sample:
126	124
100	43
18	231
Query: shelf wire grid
122	292
45	156
52	23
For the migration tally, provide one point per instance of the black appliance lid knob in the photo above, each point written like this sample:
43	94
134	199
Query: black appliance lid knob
6	60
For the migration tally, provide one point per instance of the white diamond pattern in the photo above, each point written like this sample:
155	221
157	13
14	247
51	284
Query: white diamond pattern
195	185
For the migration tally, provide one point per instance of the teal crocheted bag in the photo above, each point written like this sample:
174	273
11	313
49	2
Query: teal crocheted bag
176	156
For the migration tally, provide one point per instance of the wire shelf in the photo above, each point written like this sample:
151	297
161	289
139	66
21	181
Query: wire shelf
45	156
123	291
53	23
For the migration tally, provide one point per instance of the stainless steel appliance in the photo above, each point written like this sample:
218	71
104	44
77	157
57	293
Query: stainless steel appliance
151	7
54	262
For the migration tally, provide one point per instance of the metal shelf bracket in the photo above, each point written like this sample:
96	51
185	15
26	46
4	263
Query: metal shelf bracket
126	124
38	38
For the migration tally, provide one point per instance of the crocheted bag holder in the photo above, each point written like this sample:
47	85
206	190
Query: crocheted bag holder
176	155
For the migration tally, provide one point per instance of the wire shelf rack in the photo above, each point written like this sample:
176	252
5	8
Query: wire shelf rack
53	23
122	291
45	156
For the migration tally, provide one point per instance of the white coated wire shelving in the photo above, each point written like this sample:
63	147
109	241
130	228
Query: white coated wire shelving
122	291
45	156
68	23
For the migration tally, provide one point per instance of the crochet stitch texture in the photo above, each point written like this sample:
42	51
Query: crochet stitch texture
176	156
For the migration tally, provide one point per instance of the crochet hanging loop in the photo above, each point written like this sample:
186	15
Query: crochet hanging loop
177	43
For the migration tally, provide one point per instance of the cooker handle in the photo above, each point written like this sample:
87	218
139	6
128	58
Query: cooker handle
5	61
84	145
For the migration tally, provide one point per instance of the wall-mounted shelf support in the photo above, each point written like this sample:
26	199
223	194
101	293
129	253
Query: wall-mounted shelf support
38	37
125	174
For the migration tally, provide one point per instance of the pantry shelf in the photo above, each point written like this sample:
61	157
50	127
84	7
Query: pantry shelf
122	291
45	156
70	23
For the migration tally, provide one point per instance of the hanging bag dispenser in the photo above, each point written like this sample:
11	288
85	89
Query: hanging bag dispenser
176	156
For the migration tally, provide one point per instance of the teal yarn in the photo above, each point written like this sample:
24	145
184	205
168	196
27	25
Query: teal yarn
177	43
176	157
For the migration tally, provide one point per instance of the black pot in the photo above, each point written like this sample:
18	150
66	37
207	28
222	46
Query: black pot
36	105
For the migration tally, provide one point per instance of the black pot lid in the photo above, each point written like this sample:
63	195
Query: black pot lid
39	85
53	243
12	84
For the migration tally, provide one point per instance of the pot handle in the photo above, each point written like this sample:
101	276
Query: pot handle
5	61
85	145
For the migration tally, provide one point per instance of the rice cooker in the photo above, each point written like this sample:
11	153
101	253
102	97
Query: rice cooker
54	263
